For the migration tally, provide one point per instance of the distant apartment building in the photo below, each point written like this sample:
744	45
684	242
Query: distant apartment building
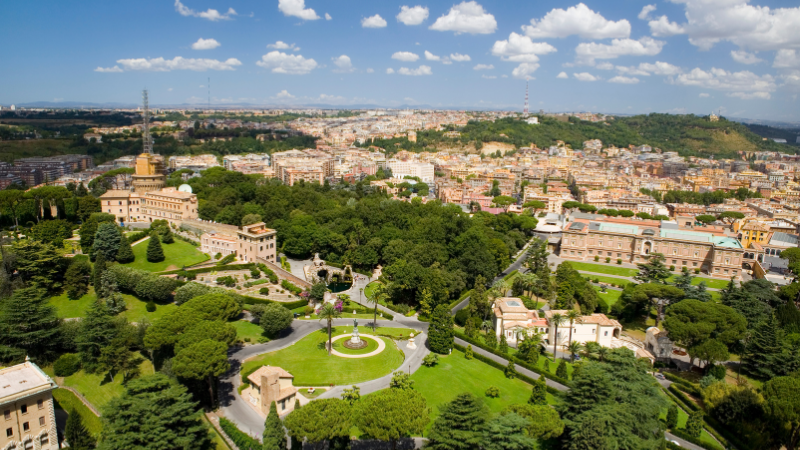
196	163
28	411
423	170
293	165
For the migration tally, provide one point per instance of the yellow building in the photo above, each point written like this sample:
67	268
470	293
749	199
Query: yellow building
752	231
27	404
149	174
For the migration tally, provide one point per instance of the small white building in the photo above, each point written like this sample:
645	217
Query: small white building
514	320
658	343
592	328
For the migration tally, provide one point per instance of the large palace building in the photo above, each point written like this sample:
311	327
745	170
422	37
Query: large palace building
709	249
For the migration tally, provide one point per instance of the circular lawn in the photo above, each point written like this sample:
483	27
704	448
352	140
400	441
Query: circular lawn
372	345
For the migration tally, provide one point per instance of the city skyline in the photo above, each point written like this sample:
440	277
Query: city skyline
691	56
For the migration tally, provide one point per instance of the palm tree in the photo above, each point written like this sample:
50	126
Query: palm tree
556	320
573	316
574	348
499	288
329	312
602	352
381	293
486	325
526	281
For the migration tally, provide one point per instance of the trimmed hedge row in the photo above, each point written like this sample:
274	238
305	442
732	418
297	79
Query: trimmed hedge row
212	269
681	433
671	446
684	399
516	360
507	277
286	284
240	438
497	365
690	387
464	295
262	301
713	426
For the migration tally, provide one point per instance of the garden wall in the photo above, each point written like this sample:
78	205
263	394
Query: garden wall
285	275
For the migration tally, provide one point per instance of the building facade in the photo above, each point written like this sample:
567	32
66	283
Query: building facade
26	399
149	174
250	242
272	384
592	328
168	204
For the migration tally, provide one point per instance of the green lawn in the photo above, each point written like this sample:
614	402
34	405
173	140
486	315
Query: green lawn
310	364
135	311
611	269
247	329
217	441
370	289
609	280
455	374
67	401
682	418
178	254
610	296
372	345
96	387
713	283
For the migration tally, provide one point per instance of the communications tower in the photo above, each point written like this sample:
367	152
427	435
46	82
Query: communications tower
149	171
146	142
525	109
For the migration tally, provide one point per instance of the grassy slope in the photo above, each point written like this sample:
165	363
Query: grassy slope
97	389
135	312
247	329
310	364
178	254
68	402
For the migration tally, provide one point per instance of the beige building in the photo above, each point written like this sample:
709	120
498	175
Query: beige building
514	320
149	174
28	415
169	204
592	328
250	243
272	384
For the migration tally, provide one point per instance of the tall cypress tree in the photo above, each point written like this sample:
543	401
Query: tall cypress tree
539	392
76	434
762	355
274	438
459	425
154	251
166	235
97	272
28	325
440	333
125	252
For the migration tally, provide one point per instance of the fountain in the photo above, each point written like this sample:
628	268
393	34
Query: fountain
355	342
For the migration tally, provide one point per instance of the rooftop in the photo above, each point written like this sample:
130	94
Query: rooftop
21	378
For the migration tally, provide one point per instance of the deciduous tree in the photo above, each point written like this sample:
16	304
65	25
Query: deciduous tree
275	318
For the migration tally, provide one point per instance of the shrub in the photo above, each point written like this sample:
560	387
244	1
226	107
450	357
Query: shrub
150	307
228	281
255	283
275	318
672	416
619	261
697	270
461	317
718	372
143	284
227	260
561	370
608	260
510	371
430	360
290	287
218	256
308	310
269	273
255	273
241	439
493	392
468	352
596	258
264	291
187	275
672	268
67	364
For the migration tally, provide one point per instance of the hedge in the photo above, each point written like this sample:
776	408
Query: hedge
286	284
681	433
712	425
684	399
240	438
516	360
255	283
212	269
185	239
692	388
502	367
273	278
464	295
507	277
227	259
671	446
262	301
133	237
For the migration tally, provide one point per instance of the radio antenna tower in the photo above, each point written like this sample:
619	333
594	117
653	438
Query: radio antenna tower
525	109
209	92
147	143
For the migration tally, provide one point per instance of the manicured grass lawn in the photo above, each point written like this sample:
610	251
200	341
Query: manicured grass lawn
310	364
370	289
247	329
611	269
135	312
217	441
317	393
372	345
609	280
713	283
455	374
96	387
610	296
178	254
67	401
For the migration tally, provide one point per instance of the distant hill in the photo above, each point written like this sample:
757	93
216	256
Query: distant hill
686	134
790	134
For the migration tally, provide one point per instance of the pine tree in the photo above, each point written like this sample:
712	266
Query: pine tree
440	332
106	240
566	296
274	438
490	339
459	425
672	416
28	325
109	293
654	270
96	332
478	301
125	252
425	303
166	235
561	370
511	370
503	347
77	278
76	434
469	327
154	251
81	190
100	267
539	392
762	354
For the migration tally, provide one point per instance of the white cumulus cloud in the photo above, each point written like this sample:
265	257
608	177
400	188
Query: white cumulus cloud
562	75
647	69
744	84
483	67
412	15
421	70
604	66
405	56
786	58
466	17
585	76
297	8
343	64
389	71
744	57
178	63
577	20
205	44
662	27
623	80
280	62
587	52
375	21
431	57
114	69
645	13
524	70
458	57
210	14
489	77
370	70
328	16
519	48
284	94
280	45
704	95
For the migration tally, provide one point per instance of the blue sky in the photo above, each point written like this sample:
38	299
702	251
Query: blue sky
625	56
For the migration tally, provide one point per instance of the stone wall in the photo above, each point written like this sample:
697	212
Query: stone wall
201	226
285	275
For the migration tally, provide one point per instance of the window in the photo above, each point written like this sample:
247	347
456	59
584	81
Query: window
40	403
7	414
41	421
24	409
694	264
26	426
605	333
44	440
28	445
9	432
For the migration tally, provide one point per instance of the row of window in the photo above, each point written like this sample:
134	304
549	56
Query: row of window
43	440
23	409
26	426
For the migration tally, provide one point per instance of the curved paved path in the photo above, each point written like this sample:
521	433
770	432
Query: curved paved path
380	342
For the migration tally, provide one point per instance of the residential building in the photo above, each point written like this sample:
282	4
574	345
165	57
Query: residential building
28	413
402	168
272	384
514	320
592	328
249	243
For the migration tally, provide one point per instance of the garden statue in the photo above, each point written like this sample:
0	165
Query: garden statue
411	345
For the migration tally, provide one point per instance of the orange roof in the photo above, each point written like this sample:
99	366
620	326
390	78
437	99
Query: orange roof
255	377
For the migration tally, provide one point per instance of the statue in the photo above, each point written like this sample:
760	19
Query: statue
355	323
355	340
